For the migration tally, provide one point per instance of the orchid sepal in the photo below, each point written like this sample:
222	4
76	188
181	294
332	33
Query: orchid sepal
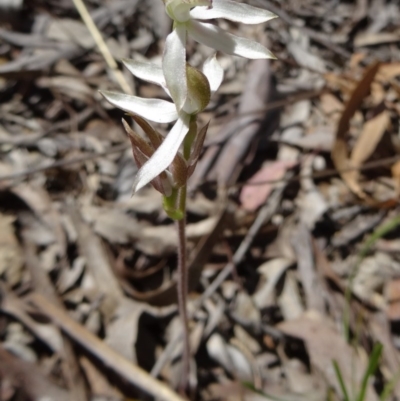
166	111
232	11
213	36
142	151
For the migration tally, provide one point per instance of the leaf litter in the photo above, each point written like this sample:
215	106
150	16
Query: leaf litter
299	174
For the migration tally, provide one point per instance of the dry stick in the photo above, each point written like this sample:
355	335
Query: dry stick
101	44
264	214
115	361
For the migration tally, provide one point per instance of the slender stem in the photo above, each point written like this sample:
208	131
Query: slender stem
182	288
182	282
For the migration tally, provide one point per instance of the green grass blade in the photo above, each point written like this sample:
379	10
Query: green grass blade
372	366
341	381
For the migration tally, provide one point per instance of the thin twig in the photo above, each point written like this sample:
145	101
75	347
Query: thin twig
101	44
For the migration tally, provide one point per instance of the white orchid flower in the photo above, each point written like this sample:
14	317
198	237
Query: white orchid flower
200	86
185	14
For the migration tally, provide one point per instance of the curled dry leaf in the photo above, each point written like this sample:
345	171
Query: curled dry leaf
369	138
340	153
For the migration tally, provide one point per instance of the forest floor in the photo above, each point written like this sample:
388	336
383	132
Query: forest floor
293	216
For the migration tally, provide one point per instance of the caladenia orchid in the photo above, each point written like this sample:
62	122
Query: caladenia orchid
159	160
168	162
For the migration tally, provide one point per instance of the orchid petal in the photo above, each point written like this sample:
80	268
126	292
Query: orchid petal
214	72
164	155
159	111
215	37
174	65
233	11
146	71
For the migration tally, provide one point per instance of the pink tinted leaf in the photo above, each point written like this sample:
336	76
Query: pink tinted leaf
253	196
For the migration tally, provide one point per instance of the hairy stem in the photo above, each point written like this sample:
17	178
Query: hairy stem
182	288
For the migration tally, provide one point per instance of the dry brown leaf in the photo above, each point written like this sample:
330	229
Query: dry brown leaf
388	71
378	92
375	38
330	104
339	154
369	138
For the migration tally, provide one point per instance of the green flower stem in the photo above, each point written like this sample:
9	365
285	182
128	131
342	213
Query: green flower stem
173	205
190	137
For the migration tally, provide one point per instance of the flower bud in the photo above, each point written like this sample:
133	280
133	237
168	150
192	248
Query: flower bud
142	151
199	92
196	149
